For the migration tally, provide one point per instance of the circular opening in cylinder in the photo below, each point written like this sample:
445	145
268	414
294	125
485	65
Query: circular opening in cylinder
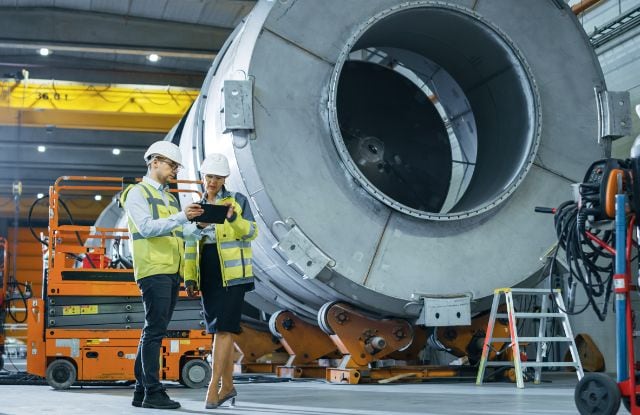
434	112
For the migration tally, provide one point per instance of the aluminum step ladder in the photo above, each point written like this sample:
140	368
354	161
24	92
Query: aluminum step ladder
541	340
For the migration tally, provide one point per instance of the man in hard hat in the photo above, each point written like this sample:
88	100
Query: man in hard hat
218	263
155	227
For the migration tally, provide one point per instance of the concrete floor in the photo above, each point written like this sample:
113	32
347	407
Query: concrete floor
303	397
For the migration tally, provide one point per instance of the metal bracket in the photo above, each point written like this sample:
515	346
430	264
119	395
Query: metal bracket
238	105
445	311
301	253
614	114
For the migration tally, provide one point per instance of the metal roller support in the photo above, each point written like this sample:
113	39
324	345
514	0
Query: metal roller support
322	318
397	148
272	324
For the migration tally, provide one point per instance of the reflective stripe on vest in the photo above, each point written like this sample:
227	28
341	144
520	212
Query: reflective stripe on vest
136	235
237	263
235	244
252	231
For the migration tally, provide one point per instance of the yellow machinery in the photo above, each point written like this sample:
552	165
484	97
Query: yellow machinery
39	103
86	326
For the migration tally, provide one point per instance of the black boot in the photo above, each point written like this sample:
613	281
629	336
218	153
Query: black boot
159	400
138	397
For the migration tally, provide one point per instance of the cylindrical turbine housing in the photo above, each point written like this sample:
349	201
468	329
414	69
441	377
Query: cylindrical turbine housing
397	148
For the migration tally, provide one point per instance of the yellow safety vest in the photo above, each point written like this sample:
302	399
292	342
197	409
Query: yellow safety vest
233	242
159	254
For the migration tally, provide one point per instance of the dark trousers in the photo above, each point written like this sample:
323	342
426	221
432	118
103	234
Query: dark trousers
159	296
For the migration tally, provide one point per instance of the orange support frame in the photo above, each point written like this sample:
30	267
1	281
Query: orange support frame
362	339
304	342
253	344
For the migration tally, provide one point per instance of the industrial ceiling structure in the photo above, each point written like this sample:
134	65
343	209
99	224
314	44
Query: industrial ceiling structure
87	85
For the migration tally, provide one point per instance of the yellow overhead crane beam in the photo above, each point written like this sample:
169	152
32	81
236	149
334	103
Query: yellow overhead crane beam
62	104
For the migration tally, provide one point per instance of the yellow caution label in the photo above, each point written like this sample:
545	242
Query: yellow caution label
95	342
71	310
185	341
89	309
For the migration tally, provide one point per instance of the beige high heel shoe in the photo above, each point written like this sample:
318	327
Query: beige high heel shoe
211	401
227	390
231	395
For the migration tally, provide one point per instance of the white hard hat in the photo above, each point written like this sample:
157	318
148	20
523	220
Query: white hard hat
165	149
217	164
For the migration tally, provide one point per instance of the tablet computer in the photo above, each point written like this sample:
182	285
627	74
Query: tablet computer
212	214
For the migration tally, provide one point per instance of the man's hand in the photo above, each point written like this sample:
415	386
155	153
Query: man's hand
193	210
190	288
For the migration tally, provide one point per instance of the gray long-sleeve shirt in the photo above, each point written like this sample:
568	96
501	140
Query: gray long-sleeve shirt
137	209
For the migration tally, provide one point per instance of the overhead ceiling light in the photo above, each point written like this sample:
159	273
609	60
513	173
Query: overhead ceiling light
44	52
40	195
98	197
154	57
42	149
116	151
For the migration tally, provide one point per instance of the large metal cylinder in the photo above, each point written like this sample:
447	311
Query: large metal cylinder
393	148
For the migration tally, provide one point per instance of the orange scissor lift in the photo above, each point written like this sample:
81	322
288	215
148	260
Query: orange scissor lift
86	327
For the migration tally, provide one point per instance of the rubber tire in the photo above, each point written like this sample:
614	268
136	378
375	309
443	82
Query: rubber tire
61	374
1	362
597	394
195	374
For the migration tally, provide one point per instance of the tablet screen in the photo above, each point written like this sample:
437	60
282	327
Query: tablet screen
212	214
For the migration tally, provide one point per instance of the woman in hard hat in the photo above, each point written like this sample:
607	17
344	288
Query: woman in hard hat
218	263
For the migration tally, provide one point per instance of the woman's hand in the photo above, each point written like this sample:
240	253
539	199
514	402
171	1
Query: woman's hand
231	210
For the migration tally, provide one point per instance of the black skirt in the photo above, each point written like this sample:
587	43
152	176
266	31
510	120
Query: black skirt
222	306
